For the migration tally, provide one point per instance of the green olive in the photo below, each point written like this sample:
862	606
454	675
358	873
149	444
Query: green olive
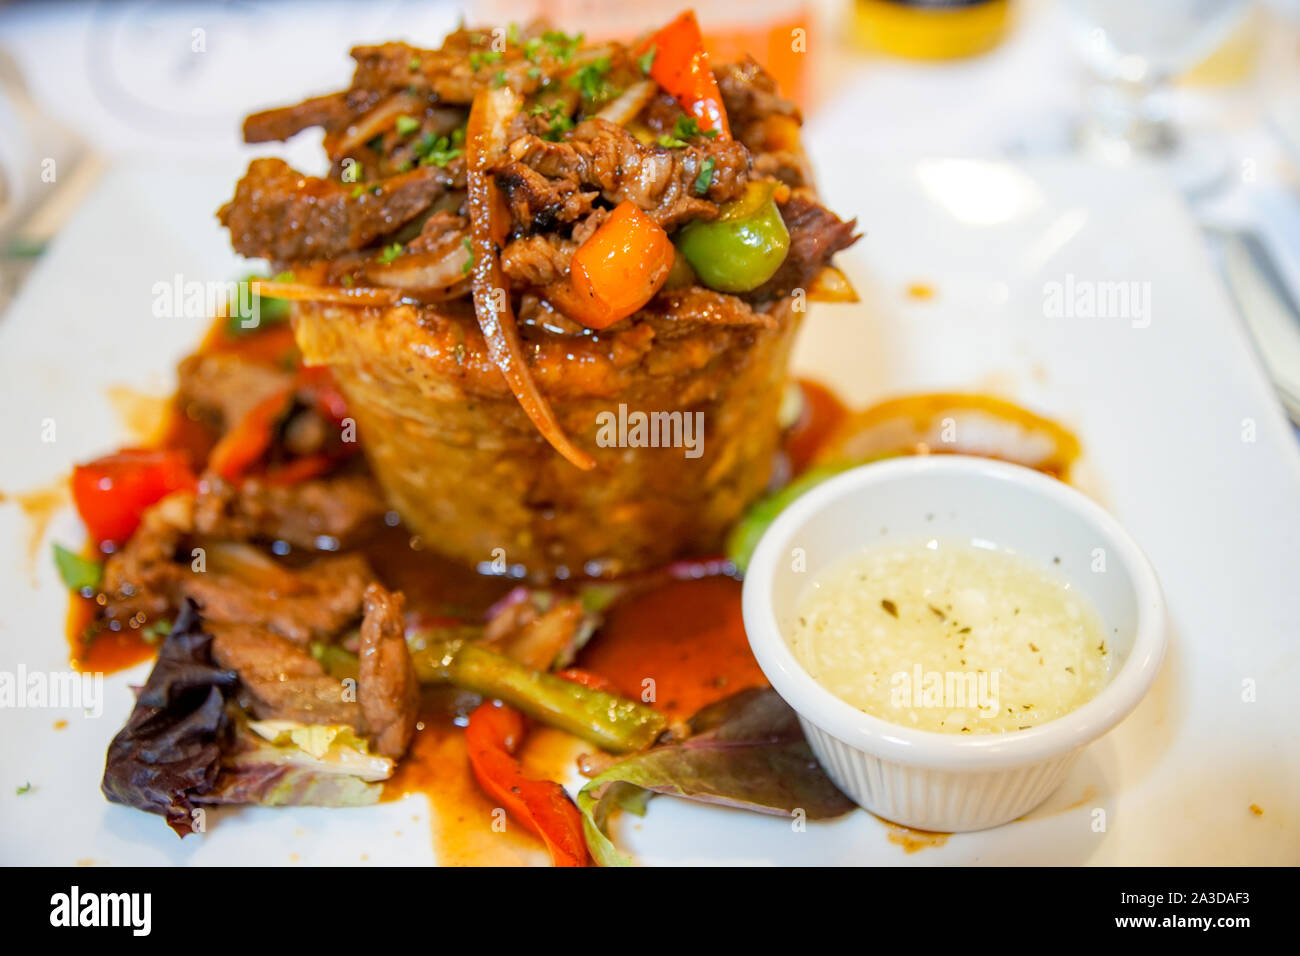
743	247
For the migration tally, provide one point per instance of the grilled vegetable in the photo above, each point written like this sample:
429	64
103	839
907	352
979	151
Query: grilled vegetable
743	247
492	737
112	492
78	573
617	270
611	722
675	59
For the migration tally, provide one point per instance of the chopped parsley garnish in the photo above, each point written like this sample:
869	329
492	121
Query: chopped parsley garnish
358	190
469	263
562	46
414	65
480	57
390	253
407	125
512	34
25	788
499	80
590	80
558	114
685	128
705	179
534	73
439	150
647	59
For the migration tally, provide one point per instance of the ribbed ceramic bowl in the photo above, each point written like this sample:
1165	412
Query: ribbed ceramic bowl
929	780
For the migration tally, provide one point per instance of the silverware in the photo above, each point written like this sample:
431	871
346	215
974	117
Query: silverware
1269	309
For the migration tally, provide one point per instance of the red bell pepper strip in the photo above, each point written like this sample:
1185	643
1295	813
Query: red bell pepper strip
112	492
250	438
492	736
681	67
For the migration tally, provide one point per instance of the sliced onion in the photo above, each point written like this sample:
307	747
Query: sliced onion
485	140
379	120
423	271
245	563
341	295
630	104
831	285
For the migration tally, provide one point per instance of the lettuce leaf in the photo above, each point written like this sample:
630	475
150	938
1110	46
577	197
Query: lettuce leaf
324	748
746	751
186	744
169	752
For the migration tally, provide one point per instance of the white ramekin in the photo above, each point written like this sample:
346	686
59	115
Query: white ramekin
929	780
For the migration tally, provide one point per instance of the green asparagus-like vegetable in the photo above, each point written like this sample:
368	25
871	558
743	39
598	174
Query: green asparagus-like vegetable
744	535
610	722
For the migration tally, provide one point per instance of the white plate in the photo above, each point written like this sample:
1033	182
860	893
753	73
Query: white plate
1184	442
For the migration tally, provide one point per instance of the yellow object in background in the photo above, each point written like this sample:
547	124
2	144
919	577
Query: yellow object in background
931	29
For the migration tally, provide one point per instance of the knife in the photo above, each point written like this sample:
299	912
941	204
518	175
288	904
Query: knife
1270	311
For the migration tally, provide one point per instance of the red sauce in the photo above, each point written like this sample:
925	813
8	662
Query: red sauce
822	414
102	651
687	637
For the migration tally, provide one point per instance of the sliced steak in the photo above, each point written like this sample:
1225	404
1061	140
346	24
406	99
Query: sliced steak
281	680
278	213
816	234
538	260
328	111
336	510
539	204
323	599
672	185
750	95
386	685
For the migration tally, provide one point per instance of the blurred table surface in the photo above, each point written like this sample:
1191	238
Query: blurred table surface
147	79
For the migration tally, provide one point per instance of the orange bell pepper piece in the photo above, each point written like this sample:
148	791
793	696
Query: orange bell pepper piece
617	270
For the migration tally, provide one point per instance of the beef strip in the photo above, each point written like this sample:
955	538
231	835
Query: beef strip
538	260
141	579
323	599
278	213
537	203
144	581
816	234
677	311
750	95
660	181
340	507
281	680
386	684
329	111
